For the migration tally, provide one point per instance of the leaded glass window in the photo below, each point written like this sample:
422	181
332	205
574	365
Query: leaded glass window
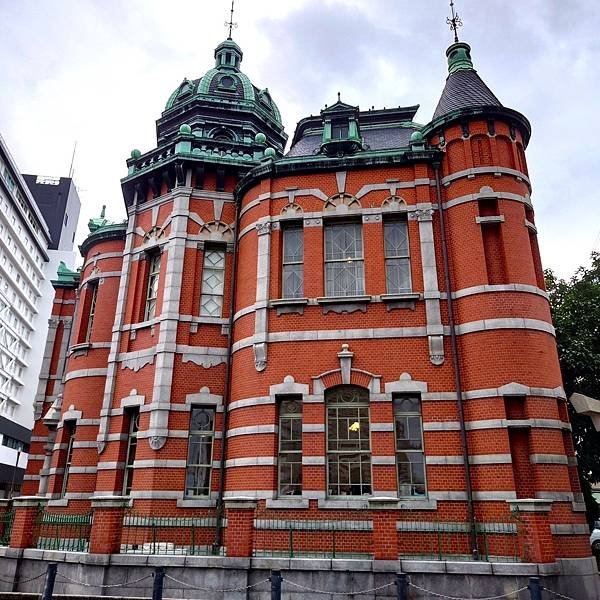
344	265
200	450
134	425
397	258
293	262
93	290
213	283
70	427
410	459
348	441
152	289
290	447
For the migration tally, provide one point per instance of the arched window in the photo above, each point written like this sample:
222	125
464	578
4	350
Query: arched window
348	441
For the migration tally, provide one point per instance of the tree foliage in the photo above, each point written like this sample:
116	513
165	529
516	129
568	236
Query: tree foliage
575	305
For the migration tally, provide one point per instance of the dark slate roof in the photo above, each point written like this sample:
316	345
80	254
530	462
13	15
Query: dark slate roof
375	139
464	89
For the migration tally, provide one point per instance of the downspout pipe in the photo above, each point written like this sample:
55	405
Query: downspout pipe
456	366
227	388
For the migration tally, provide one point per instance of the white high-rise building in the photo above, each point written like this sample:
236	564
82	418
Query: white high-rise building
26	297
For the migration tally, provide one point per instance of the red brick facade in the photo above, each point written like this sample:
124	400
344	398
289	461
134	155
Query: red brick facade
516	426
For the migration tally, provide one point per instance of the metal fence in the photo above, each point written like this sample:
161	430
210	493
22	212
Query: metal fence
6	522
145	534
59	531
313	538
440	540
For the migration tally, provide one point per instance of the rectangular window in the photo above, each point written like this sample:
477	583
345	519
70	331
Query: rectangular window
152	288
410	458
397	258
344	265
70	434
290	447
200	449
213	283
292	275
92	289
134	424
348	441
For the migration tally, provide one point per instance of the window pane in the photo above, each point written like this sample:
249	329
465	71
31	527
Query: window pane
343	241
293	245
344	278
213	283
202	419
293	281
396	238
397	271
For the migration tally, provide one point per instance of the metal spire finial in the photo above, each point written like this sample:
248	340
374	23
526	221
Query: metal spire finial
230	24
454	22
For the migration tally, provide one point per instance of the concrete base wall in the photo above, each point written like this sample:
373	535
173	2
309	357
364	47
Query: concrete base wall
577	578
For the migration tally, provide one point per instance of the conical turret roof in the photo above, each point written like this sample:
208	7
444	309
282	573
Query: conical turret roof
464	88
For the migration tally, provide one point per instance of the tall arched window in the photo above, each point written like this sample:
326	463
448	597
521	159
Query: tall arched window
348	441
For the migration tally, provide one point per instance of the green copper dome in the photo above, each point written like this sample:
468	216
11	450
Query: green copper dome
225	82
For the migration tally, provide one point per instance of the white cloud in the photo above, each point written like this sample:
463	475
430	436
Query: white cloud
99	72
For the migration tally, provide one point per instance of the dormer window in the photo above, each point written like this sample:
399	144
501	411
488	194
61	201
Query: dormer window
339	129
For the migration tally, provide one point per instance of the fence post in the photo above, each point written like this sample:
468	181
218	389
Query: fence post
275	585
535	588
157	586
49	581
401	586
239	533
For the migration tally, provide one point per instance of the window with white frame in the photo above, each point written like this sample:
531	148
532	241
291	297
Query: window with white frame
344	264
70	427
410	459
348	441
213	282
152	286
93	291
290	447
397	257
200	451
292	271
134	425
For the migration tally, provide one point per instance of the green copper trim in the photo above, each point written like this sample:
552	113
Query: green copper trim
205	81
459	57
66	277
96	223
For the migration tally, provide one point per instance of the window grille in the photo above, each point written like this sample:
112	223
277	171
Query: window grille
397	257
339	129
292	275
344	265
348	441
134	425
213	283
70	429
410	459
290	447
152	289
200	449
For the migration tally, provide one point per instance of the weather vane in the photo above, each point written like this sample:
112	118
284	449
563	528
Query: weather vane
454	22
230	24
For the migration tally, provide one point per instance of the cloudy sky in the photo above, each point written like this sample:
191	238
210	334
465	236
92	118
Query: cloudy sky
100	71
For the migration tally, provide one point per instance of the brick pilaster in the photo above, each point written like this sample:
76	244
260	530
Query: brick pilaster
240	526
385	537
106	532
534	529
24	524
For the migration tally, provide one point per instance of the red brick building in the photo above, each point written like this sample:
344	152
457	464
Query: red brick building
354	335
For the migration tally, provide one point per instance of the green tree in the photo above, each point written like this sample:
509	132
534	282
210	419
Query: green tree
575	305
